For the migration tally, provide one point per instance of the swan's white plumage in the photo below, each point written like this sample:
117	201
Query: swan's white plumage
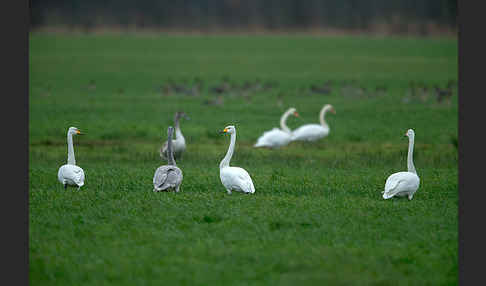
234	178
179	143
404	183
276	137
273	138
314	132
401	184
309	132
70	174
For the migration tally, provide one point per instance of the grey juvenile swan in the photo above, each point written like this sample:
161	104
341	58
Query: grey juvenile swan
179	142
168	177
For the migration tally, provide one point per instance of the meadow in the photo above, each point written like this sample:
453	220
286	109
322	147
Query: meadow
317	216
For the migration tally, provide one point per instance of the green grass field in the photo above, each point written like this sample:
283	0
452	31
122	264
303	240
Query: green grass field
317	216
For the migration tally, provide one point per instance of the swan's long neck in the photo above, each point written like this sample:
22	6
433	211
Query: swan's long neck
226	160
283	119
71	160
321	116
410	165
170	152
178	131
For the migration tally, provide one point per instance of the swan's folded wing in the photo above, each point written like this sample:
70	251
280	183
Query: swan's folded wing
79	176
74	174
392	188
243	175
245	181
174	176
399	182
391	182
160	175
167	176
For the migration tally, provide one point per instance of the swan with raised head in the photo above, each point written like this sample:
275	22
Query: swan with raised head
234	178
179	143
314	132
403	184
168	177
276	137
70	174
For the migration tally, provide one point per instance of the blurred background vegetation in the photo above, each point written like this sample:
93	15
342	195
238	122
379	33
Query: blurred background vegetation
398	17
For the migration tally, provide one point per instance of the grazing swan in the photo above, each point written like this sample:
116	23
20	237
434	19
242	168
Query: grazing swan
276	138
314	132
179	143
403	183
168	177
70	174
234	178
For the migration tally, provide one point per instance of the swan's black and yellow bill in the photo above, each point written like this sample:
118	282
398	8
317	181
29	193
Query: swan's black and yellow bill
79	132
224	131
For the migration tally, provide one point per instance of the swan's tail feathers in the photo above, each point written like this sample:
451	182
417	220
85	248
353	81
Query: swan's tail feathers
391	188
252	188
387	195
390	193
157	189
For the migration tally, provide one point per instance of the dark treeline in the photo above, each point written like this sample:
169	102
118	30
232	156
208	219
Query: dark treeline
399	16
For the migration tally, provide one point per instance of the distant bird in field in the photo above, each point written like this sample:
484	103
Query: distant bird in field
215	101
314	132
443	94
276	137
70	174
322	89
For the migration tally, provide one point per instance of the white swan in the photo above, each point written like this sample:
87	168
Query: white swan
403	183
179	143
70	174
314	132
276	138
234	178
168	177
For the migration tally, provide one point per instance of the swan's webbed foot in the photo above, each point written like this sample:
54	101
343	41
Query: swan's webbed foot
65	186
